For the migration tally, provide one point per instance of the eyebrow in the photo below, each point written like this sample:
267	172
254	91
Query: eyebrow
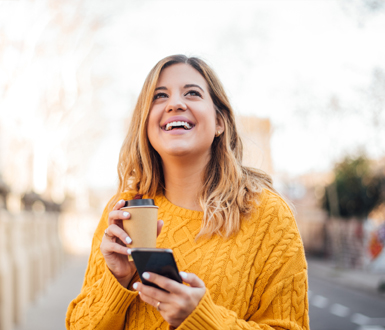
185	86
193	85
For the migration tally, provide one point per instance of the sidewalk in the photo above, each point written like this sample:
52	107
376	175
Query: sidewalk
358	279
49	311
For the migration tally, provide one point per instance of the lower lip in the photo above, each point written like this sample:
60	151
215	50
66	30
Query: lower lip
178	131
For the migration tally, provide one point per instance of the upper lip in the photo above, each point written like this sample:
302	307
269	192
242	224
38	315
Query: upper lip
177	118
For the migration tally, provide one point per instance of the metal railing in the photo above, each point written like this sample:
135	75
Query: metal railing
31	254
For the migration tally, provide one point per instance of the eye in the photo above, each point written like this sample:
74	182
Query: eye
193	93
159	95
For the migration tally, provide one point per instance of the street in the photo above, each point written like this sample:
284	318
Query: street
336	307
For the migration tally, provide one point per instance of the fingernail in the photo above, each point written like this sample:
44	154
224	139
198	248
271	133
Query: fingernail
183	275
126	214
121	201
129	251
128	240
146	276
135	286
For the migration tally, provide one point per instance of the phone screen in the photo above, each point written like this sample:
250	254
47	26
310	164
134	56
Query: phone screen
159	261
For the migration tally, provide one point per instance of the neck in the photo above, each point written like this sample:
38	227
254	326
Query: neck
183	181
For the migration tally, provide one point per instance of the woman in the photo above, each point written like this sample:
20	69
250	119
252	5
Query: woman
233	237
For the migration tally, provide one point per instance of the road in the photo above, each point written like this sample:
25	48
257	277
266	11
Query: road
336	307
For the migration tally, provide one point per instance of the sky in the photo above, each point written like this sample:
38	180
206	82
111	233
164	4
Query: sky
276	59
284	60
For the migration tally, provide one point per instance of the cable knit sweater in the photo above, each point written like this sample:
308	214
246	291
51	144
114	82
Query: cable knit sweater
257	279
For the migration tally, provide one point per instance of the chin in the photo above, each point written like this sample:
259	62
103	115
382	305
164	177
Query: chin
178	152
182	150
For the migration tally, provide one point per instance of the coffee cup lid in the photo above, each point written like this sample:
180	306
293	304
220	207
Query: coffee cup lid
140	202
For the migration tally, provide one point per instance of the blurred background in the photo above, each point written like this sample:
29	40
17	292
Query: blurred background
307	82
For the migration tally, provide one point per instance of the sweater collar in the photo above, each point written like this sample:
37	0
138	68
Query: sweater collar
165	204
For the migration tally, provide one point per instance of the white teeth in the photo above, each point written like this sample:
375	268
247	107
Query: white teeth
186	125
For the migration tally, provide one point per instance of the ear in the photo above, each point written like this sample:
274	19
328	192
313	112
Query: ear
220	124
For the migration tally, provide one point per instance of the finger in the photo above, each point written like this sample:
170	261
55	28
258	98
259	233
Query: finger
119	204
116	231
153	302
164	282
108	247
159	224
119	215
116	217
154	293
148	299
192	279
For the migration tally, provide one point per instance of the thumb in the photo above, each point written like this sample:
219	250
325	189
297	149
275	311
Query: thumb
192	279
159	226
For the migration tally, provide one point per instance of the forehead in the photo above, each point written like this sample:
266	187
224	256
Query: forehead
182	74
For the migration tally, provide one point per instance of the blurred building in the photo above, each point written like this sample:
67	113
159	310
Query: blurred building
256	137
306	192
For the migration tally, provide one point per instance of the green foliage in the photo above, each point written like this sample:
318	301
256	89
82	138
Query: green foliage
357	191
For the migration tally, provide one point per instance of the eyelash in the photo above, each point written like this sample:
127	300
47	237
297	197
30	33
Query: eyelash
159	95
193	91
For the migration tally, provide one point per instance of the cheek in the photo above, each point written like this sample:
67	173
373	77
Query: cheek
210	123
151	127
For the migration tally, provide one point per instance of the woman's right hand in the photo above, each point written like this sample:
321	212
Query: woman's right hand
114	248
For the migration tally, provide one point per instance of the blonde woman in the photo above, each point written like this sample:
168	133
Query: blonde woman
234	239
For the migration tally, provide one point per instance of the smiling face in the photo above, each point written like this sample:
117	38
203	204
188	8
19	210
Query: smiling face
182	119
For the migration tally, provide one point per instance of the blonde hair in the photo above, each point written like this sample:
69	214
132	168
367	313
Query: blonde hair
229	189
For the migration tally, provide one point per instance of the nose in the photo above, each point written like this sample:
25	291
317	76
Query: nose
175	103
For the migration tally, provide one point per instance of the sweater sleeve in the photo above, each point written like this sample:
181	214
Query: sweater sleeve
102	302
287	310
279	296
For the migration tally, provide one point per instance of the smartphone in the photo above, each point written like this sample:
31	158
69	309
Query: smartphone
158	261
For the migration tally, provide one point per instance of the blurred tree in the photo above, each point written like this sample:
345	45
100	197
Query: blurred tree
51	120
362	10
357	191
371	6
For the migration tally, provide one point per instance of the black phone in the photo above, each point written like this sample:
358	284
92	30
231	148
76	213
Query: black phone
158	261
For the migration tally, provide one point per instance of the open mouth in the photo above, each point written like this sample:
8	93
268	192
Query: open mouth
178	125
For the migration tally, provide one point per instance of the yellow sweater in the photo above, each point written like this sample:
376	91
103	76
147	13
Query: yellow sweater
257	279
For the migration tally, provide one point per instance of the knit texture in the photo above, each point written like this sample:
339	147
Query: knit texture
257	279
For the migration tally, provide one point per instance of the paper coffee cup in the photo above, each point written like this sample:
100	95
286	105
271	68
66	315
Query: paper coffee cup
142	225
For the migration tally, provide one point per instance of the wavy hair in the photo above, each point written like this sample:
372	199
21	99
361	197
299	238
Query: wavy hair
229	189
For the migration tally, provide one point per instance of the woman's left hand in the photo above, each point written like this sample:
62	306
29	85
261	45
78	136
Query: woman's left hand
180	300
